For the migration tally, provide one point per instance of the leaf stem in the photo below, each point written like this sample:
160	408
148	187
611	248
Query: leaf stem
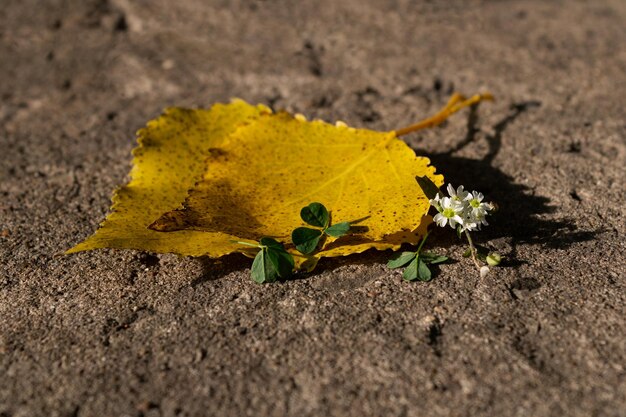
472	249
456	103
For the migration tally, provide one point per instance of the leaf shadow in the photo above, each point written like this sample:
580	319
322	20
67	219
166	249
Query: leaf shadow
519	217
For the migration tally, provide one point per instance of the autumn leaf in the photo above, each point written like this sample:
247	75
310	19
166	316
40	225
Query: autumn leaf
253	171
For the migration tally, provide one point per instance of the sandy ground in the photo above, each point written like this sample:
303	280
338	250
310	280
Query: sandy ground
125	333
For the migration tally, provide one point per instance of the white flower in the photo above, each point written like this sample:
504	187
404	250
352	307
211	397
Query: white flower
462	208
470	225
450	211
475	202
459	194
476	211
473	220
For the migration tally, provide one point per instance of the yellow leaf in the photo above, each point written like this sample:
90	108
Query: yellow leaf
254	170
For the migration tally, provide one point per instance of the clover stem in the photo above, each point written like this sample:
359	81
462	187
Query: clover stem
472	249
254	245
456	103
422	242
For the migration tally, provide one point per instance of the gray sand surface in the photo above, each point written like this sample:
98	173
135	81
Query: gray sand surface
126	333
